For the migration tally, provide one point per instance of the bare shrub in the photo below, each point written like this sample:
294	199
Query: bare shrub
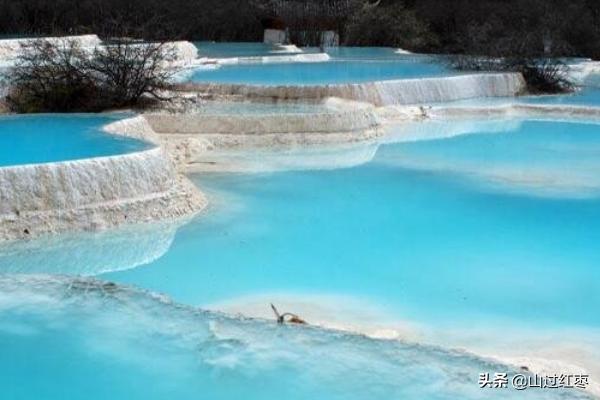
546	76
63	77
51	77
127	71
542	75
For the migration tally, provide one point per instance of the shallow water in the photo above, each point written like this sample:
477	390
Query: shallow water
330	72
241	49
502	187
82	339
257	49
587	96
483	237
480	199
50	138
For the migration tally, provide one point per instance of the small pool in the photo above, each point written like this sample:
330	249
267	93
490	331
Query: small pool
257	49
238	49
586	96
373	53
331	72
50	138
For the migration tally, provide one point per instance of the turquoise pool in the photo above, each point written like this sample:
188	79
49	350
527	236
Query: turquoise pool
51	138
240	49
256	49
488	185
329	72
483	237
582	97
586	96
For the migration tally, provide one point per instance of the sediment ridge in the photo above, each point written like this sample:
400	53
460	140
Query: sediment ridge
381	93
92	194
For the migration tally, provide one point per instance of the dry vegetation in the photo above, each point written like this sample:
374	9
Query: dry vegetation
64	77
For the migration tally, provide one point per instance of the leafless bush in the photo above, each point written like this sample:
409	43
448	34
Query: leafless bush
64	77
126	71
542	75
51	77
546	76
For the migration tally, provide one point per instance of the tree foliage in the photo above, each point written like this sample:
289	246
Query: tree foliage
557	27
391	25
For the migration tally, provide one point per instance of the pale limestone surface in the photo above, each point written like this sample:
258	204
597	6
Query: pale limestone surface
236	124
184	50
10	49
298	158
287	48
90	253
195	140
276	59
92	194
382	93
342	133
581	72
187	69
181	54
546	111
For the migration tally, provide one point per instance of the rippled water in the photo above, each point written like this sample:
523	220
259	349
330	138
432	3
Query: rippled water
84	339
483	237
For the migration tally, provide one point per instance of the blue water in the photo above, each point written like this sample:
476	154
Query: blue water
335	71
372	53
63	339
491	224
49	138
256	49
583	97
348	65
587	96
497	202
232	49
514	230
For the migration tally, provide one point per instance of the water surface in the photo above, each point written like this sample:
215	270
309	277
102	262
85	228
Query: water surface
329	72
239	49
82	339
50	138
483	237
